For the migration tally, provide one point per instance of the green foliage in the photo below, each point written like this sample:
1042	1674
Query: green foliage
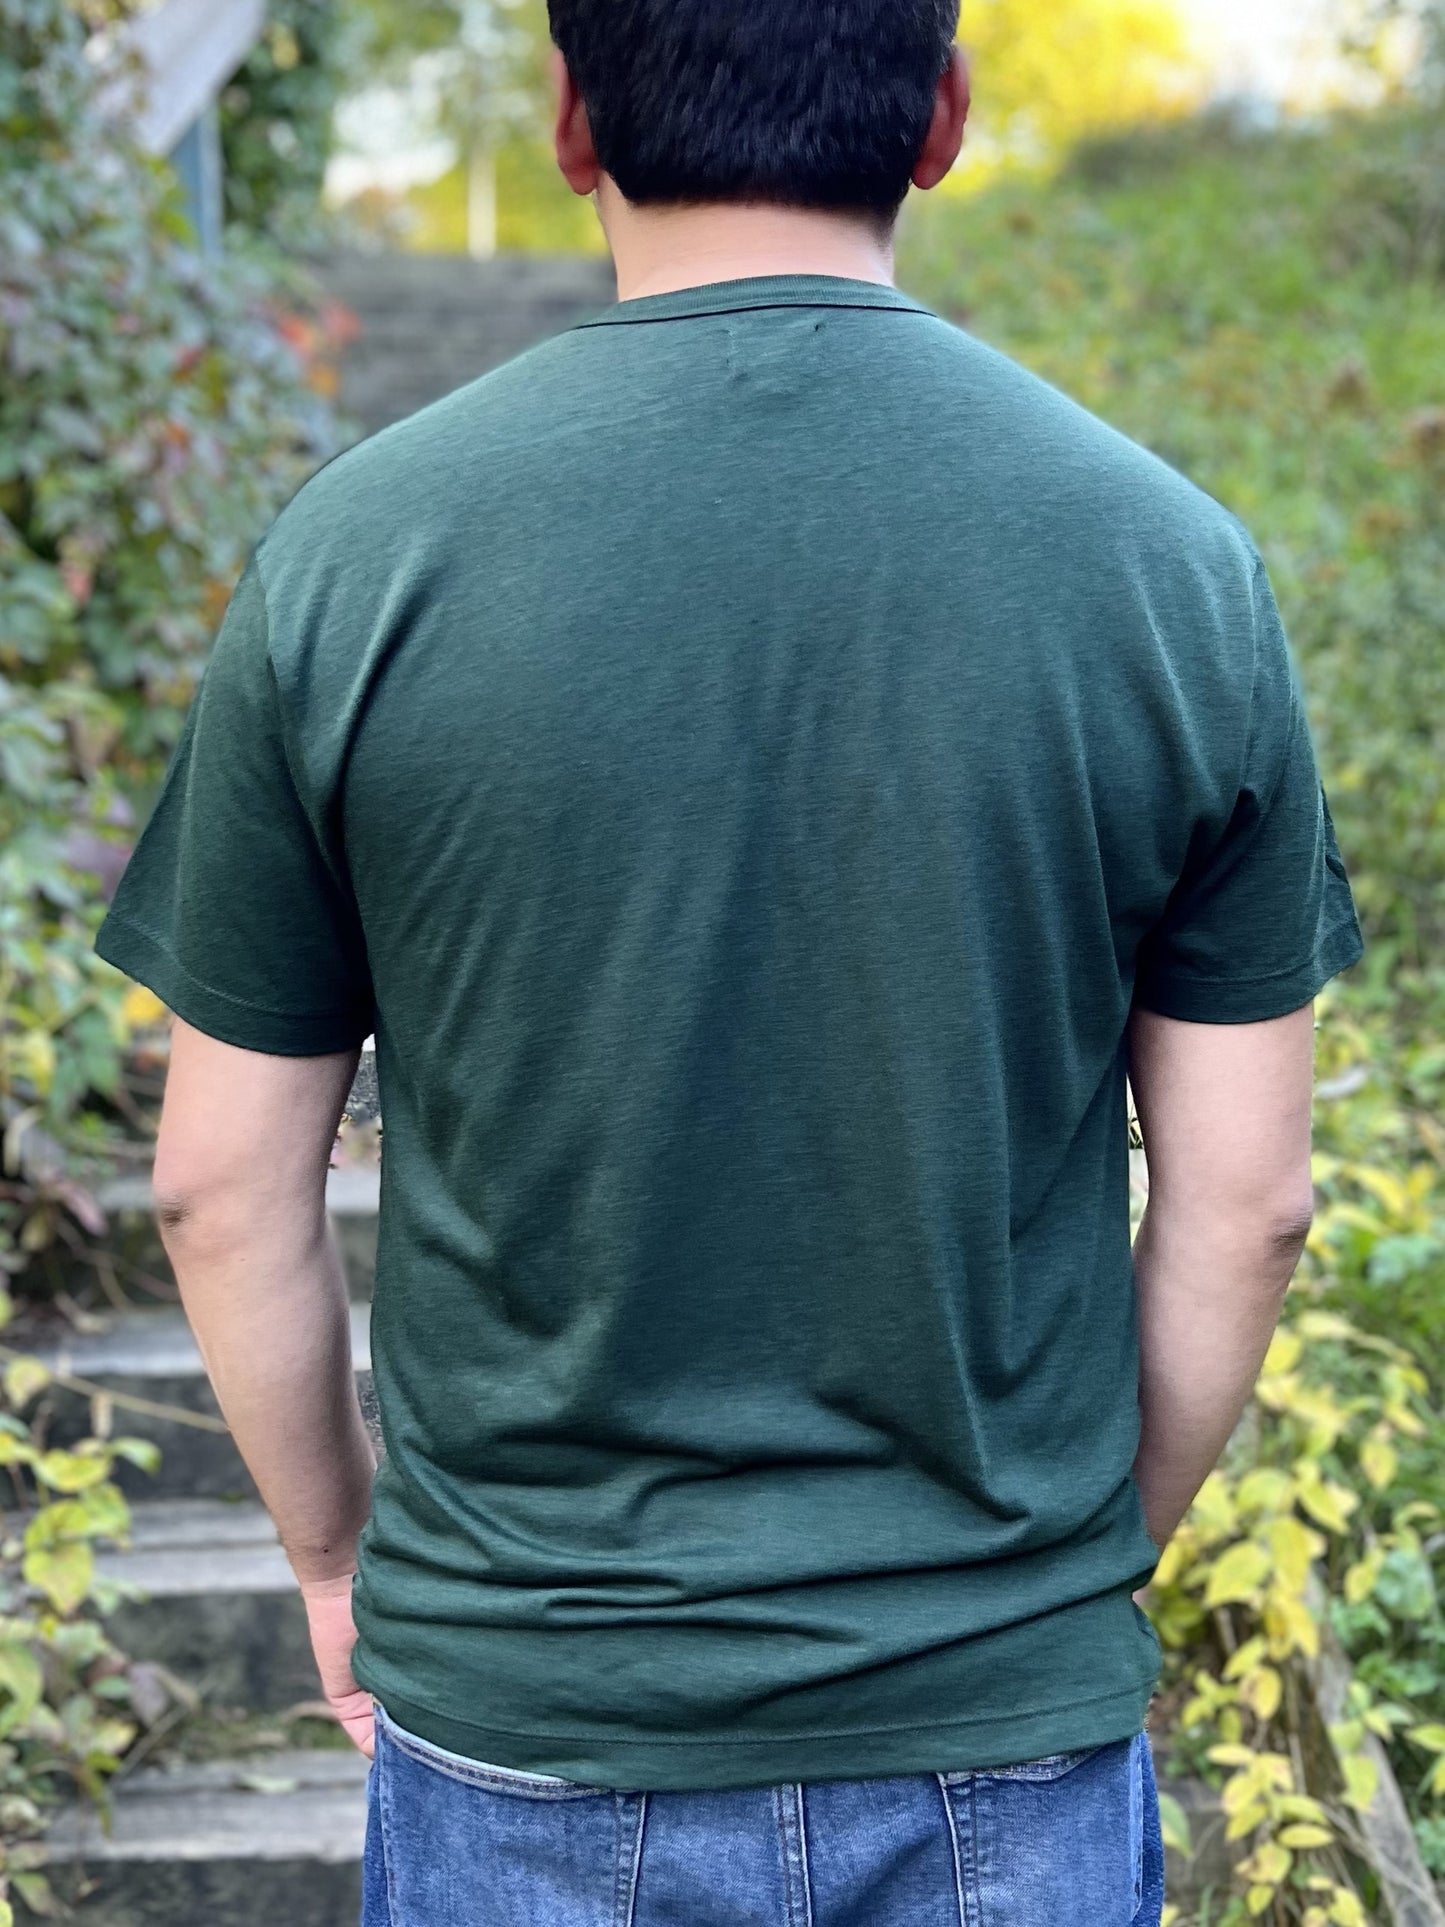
537	213
275	116
1266	314
477	73
152	418
1265	311
66	1712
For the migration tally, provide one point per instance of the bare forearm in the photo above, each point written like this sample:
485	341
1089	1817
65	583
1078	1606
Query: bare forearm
1209	1299
267	1301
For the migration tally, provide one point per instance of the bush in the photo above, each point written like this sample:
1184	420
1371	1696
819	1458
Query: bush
1263	310
276	122
153	417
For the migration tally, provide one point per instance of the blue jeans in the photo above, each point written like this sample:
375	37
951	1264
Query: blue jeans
1071	1841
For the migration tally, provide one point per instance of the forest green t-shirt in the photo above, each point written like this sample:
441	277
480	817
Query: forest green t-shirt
743	759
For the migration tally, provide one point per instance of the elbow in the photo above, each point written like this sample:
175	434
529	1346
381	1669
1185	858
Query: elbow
197	1208
184	1210
1285	1233
1290	1229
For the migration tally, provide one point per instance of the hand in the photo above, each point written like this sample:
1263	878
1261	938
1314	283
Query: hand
333	1634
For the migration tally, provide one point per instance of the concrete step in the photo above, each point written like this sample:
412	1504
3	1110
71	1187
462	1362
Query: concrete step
431	323
216	1603
234	1843
153	1357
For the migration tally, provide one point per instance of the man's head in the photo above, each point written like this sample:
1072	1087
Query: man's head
834	105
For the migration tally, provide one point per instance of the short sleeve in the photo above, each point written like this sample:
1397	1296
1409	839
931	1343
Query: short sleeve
230	909
1263	916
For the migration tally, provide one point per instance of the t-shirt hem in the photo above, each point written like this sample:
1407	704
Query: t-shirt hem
1246	1000
664	1762
145	958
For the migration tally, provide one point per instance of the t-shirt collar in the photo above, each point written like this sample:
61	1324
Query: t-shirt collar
755	291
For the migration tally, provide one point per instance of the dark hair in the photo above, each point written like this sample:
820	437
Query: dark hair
807	103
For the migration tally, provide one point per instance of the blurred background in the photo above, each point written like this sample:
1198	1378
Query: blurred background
235	235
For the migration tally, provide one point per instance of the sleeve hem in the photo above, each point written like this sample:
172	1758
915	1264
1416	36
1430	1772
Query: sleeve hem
277	1033
1222	1000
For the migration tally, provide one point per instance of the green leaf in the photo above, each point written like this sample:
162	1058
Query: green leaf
20	1677
1175	1824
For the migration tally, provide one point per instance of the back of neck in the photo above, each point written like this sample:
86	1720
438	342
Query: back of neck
658	250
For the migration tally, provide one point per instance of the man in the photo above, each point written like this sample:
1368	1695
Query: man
766	767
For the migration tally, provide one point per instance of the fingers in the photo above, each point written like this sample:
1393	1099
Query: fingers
358	1721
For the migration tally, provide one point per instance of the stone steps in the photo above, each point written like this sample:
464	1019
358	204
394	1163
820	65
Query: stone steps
215	1602
275	1838
235	1843
152	1356
431	323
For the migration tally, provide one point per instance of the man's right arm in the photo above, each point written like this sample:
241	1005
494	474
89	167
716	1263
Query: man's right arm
1225	1115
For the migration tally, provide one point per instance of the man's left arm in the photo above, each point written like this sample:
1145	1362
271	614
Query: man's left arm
240	1186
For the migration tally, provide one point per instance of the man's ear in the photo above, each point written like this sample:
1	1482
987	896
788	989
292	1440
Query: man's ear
576	156
950	115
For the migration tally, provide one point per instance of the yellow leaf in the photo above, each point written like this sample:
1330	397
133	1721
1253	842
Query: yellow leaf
1269	1864
1432	1737
1171	1562
1262	1692
1362	1780
1345	1908
1232	1755
1362	1578
35	1054
1324	1324
1302	1837
69	1472
1385	1186
64	1573
1237	1574
1379	1461
140	1006
1404	1420
1244	1658
1289	1622
1264	1490
24	1377
1257	1899
1328	1504
1213	1510
1285	1349
1299	1806
1294	1547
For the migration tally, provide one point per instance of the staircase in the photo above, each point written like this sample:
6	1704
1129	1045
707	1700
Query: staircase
430	323
254	1811
259	1815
